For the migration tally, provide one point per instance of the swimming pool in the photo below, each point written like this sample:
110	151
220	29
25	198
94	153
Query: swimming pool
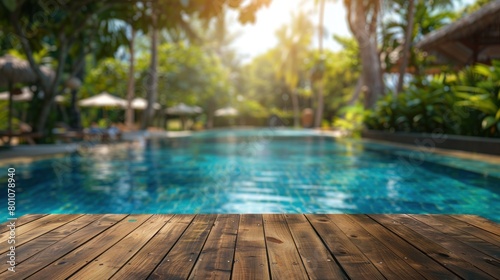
254	171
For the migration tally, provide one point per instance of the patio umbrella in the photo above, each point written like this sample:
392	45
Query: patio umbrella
228	111
103	99
141	104
26	95
183	109
14	70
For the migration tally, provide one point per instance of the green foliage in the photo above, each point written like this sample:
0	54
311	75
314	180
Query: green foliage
352	120
109	75
467	103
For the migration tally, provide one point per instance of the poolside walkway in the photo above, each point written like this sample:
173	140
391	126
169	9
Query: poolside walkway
253	246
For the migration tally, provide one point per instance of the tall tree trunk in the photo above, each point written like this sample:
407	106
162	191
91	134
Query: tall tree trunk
129	114
319	111
406	47
362	17
11	92
357	91
152	90
371	73
296	111
210	113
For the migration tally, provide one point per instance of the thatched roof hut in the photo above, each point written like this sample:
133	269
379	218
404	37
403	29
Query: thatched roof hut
15	70
473	38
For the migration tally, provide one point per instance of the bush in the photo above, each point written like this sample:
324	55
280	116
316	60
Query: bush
467	103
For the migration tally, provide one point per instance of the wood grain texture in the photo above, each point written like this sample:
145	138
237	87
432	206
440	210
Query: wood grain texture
470	229
250	258
255	246
71	262
34	246
441	235
179	262
448	258
145	261
464	236
62	247
117	256
216	258
388	263
284	260
422	263
37	228
21	221
316	258
479	222
351	258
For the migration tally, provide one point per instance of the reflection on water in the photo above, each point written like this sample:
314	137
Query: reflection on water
250	172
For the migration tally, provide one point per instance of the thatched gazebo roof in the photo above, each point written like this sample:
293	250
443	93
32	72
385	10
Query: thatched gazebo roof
15	70
473	38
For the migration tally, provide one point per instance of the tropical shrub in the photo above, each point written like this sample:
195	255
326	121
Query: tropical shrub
467	103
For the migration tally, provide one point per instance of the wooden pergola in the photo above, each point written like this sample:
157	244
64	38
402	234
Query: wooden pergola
471	39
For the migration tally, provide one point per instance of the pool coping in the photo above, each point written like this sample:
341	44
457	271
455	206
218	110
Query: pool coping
22	156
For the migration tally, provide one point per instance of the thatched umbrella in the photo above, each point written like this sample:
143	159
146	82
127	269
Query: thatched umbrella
228	111
104	100
183	109
25	95
14	70
141	104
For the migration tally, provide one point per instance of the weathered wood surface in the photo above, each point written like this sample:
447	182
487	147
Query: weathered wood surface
254	246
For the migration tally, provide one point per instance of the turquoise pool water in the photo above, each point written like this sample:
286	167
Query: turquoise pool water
254	171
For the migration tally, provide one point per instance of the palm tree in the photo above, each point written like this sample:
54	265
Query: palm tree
319	111
362	17
406	47
415	19
295	41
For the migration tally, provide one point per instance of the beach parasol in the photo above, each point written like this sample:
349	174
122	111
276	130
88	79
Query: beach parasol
141	104
103	99
25	95
183	109
228	111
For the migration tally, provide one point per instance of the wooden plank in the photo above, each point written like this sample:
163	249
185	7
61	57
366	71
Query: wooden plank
459	234
415	258
478	259
216	258
149	256
318	261
470	229
387	262
353	261
64	246
116	256
66	264
21	221
33	225
178	263
451	260
480	222
37	228
50	223
250	257
38	244
285	261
